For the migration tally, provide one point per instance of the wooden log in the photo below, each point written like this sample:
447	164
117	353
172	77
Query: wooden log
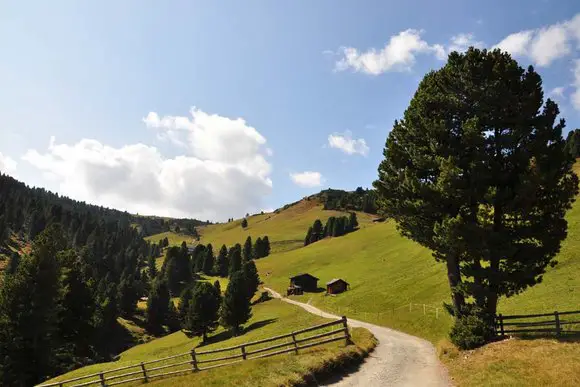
344	331
243	348
347	339
219	359
102	378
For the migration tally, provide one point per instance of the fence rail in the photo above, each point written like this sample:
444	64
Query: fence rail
195	358
547	323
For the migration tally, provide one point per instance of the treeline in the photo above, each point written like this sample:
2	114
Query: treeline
573	143
82	266
151	225
201	306
334	227
359	200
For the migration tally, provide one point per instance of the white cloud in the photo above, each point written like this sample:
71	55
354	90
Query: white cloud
549	44
347	144
225	172
546	44
399	54
575	97
517	44
462	42
307	179
557	92
7	164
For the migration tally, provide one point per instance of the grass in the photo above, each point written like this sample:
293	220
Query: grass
174	238
269	319
540	362
285	230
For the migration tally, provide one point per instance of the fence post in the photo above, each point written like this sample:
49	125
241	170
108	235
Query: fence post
244	352
558	327
194	361
294	342
102	377
346	333
501	325
144	372
424	309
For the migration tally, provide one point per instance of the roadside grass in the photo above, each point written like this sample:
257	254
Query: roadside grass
270	318
515	362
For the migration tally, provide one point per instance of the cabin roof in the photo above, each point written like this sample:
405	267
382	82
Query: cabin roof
335	280
304	275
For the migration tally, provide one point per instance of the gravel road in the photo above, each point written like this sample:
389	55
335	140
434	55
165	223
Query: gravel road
398	360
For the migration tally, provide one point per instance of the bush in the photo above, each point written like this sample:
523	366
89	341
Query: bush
471	331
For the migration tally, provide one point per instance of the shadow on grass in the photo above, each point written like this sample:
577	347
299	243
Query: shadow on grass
225	335
565	337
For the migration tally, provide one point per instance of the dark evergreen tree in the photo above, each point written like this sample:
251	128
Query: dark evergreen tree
247	251
209	259
202	312
235	309
352	222
218	287
266	243
244	223
28	312
235	259
157	306
308	238
329	226
251	278
258	249
221	264
317	231
127	296
152	266
573	143
476	171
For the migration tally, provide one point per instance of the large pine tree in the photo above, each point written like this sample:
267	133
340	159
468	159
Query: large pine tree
476	171
202	312
235	309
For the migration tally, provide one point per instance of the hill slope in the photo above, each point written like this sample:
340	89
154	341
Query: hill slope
269	319
285	229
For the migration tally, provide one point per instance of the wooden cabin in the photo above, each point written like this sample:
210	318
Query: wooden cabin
294	290
336	286
307	282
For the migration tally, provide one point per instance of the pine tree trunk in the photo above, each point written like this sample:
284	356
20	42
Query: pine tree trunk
454	277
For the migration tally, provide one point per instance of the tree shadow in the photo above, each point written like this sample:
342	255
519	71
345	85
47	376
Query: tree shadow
225	335
317	290
565	337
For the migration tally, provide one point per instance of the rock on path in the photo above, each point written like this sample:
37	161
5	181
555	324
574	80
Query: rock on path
398	360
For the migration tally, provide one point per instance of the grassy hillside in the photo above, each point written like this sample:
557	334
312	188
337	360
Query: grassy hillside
285	230
269	319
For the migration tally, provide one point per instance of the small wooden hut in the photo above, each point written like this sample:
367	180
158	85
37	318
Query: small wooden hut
307	282
336	286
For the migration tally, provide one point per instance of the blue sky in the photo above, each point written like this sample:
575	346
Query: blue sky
245	96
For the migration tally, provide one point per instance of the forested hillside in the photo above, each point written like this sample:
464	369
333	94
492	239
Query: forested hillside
70	270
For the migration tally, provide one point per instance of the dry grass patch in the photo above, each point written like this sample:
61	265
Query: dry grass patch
515	362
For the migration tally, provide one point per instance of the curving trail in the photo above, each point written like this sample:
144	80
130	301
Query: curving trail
398	360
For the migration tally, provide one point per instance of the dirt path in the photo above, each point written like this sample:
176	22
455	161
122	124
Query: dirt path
398	360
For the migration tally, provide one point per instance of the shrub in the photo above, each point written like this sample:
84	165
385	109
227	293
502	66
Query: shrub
471	331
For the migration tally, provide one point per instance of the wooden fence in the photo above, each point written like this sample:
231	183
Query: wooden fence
194	359
558	323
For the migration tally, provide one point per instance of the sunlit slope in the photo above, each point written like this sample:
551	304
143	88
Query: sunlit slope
269	319
387	271
285	230
384	270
